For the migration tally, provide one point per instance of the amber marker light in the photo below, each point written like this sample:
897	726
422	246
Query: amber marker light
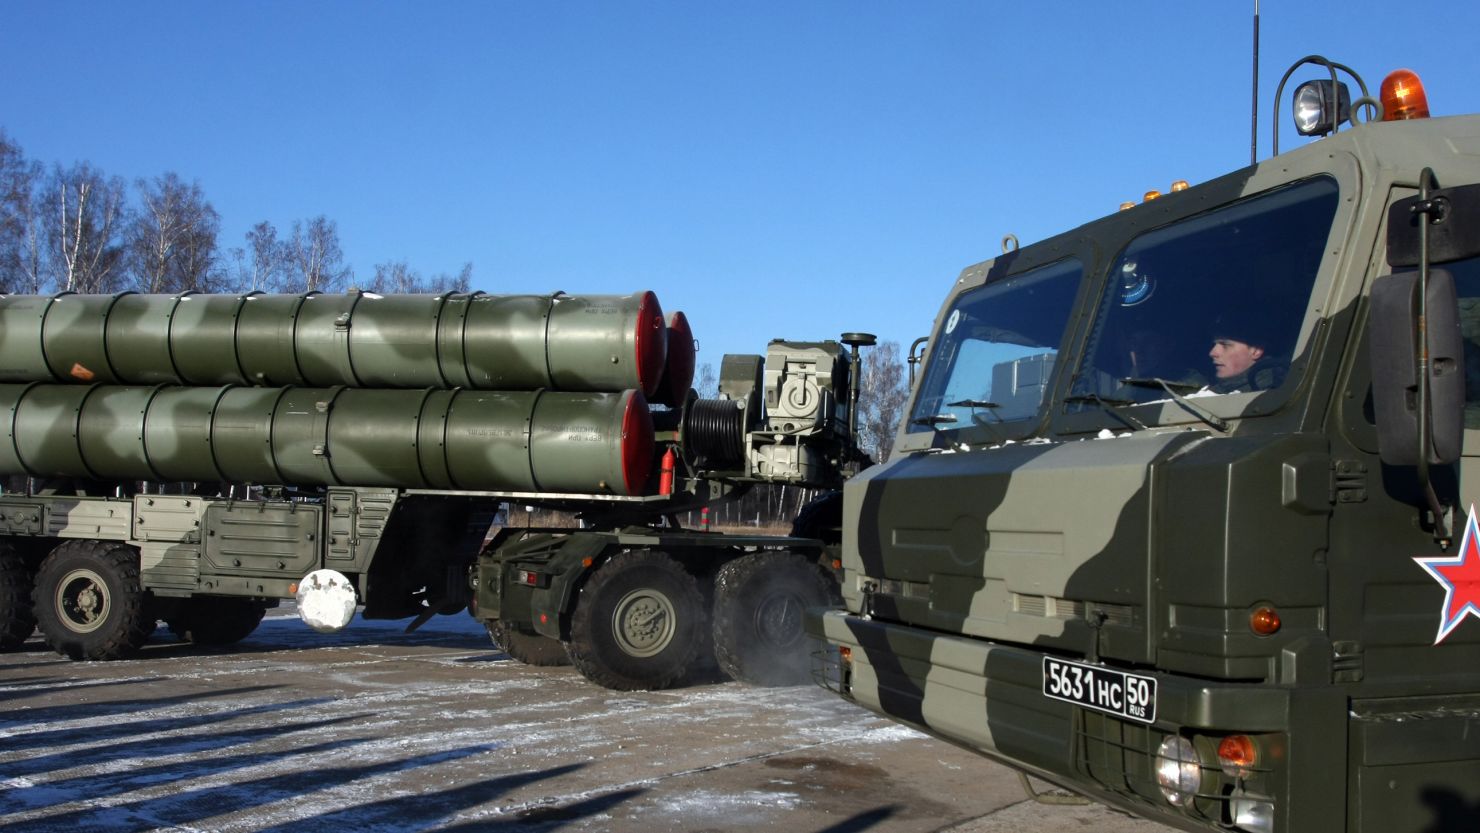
1150	195
1237	756
1403	96
1265	621
1180	185
1125	206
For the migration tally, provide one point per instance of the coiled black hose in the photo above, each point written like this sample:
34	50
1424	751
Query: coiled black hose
714	431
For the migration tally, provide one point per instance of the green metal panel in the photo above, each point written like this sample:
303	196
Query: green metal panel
45	428
431	439
110	434
177	435
299	425
321	339
261	539
393	341
21	357
138	338
503	342
264	339
373	435
574	448
586	352
241	434
73	337
488	433
203	340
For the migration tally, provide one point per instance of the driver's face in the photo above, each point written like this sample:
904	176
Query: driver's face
1231	358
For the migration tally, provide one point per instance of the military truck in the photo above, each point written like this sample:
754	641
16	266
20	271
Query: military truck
195	458
1181	515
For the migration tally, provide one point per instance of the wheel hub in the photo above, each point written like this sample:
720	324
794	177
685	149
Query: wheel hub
643	622
778	620
82	600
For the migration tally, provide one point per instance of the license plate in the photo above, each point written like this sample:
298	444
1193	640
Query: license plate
1103	689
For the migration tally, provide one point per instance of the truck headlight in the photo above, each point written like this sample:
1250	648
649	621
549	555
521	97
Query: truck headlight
1320	106
1178	770
1255	815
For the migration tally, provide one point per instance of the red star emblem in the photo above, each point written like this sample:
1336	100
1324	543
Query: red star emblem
1460	578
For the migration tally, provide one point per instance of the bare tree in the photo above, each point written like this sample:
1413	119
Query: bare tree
262	261
397	277
33	259
882	395
172	237
461	282
706	383
17	184
84	213
314	259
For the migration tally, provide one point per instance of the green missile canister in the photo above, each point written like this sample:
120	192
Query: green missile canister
357	339
506	441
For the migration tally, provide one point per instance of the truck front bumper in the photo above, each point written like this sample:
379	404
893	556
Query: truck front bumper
990	698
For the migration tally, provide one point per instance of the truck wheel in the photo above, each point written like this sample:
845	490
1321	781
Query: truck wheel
17	620
216	621
528	648
759	600
637	623
89	601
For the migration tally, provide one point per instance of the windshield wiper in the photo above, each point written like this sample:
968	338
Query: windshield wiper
1115	407
1172	388
935	419
1158	382
932	420
972	403
976	419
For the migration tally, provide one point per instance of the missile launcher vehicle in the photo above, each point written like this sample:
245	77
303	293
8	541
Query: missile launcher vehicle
1182	513
196	458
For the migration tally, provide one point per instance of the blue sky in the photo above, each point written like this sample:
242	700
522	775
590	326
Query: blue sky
790	169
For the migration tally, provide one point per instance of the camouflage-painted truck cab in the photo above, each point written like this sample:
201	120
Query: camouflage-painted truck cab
1138	537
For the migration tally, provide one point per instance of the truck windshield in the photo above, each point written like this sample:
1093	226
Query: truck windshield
992	360
1210	305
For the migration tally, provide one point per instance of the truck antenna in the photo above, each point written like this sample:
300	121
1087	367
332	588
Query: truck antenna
1254	115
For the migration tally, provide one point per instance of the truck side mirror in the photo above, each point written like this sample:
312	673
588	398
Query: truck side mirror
1393	353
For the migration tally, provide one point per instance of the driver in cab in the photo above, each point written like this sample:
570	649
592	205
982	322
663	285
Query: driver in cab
1241	361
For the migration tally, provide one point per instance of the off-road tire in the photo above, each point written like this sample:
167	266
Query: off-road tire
638	623
214	622
17	618
528	648
759	603
89	602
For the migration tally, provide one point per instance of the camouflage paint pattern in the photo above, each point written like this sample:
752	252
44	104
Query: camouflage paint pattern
1140	534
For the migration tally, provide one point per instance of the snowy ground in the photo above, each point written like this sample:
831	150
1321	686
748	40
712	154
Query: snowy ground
376	730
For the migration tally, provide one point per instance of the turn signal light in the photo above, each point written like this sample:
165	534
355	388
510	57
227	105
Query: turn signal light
1265	621
1403	96
1237	756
